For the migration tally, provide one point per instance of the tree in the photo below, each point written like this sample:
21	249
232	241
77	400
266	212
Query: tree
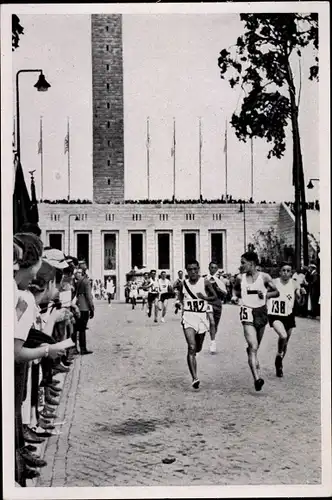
17	30
269	246
261	63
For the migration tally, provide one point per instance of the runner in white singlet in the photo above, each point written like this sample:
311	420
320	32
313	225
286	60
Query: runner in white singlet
133	293
144	289
253	288
153	295
164	286
195	293
281	312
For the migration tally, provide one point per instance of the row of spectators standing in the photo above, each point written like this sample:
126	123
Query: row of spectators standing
53	304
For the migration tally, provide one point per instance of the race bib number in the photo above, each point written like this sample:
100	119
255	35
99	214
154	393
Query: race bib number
277	307
246	314
196	305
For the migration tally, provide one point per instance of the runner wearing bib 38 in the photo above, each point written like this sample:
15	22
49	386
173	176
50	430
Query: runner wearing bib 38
253	288
280	312
195	293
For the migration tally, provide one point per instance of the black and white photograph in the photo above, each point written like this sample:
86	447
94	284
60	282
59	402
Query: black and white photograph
166	189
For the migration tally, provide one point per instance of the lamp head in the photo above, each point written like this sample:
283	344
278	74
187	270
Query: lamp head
42	85
310	184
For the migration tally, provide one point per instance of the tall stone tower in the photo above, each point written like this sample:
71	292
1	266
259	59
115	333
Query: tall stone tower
107	89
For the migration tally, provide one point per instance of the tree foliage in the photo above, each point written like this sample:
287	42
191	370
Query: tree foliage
17	30
270	247
260	62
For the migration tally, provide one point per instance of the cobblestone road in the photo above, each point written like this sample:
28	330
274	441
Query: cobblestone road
130	405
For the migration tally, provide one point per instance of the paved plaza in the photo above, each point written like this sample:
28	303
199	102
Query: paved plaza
130	407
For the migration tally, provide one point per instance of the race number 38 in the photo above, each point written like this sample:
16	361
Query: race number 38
278	307
246	314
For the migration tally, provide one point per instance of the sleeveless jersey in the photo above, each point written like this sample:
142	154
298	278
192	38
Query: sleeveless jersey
191	303
163	285
249	291
282	305
133	286
155	286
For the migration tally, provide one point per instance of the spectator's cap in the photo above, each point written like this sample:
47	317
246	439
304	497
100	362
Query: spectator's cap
55	258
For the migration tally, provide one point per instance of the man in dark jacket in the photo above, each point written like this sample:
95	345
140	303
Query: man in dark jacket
86	307
313	280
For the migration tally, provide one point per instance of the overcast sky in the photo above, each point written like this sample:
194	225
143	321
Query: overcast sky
170	70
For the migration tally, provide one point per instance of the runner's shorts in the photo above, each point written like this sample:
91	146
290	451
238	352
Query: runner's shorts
164	296
287	321
259	317
152	297
197	321
133	294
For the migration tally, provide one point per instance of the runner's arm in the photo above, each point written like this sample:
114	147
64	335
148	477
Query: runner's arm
209	290
272	290
180	293
237	287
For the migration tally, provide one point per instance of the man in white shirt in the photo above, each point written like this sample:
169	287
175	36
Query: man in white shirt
110	289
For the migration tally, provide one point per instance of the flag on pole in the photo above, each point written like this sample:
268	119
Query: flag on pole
174	140
67	143
148	141
40	147
225	145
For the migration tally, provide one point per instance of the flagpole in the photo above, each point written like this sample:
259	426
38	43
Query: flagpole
226	166
252	167
174	172
148	153
68	152
41	160
200	159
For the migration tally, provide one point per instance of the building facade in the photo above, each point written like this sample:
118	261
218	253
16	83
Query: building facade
115	238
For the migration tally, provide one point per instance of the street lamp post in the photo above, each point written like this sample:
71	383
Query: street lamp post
76	218
243	210
310	184
42	86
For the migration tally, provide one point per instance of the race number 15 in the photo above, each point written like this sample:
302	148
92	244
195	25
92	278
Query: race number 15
245	314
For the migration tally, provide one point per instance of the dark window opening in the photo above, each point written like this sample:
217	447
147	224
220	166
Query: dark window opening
55	241
108	124
108	105
108	143
107	67
109	182
108	163
107	47
110	251
189	247
217	249
163	251
83	250
106	28
107	86
137	250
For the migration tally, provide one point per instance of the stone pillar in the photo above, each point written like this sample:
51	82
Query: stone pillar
107	88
